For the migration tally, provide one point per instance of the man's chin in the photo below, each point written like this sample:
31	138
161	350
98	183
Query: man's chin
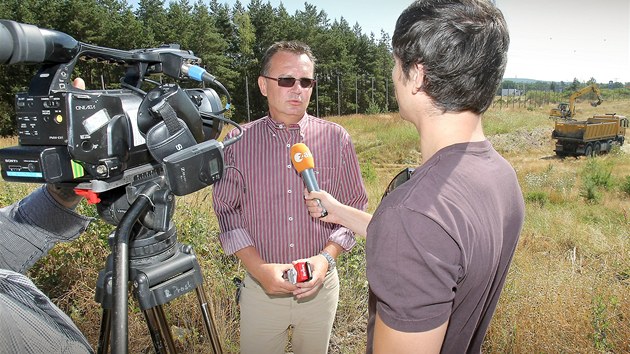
296	109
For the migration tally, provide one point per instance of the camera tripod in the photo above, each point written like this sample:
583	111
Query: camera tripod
160	269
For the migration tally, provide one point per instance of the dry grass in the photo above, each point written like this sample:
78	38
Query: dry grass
567	290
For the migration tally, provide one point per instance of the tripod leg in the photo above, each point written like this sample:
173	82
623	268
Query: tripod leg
160	332
209	321
103	337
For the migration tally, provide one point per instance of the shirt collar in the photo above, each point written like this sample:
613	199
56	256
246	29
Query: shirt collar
300	125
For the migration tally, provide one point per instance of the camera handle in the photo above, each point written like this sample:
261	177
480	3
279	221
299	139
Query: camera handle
170	271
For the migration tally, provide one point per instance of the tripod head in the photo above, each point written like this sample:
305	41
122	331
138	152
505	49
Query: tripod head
145	248
116	202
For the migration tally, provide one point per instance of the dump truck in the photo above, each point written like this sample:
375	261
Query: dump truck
595	136
567	110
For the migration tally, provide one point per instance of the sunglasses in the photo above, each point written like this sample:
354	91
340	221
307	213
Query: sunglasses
402	177
290	81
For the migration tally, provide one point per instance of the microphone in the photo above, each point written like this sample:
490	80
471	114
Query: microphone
303	161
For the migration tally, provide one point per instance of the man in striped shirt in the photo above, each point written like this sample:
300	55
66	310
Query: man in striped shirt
264	222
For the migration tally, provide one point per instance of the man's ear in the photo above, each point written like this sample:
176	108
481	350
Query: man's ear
262	85
417	77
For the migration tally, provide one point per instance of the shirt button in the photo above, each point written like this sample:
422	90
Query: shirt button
289	191
288	145
291	245
290	218
288	166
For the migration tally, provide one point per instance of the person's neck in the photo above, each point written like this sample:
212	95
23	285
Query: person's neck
285	118
442	130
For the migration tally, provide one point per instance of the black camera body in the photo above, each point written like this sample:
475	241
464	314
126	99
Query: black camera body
104	130
57	130
100	139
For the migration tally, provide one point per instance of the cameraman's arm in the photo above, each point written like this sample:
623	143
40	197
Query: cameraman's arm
31	227
64	195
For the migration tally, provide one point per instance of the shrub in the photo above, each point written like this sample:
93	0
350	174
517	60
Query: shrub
537	197
625	186
368	173
598	173
373	108
590	192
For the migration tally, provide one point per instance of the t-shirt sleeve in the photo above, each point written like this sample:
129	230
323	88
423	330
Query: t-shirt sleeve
412	268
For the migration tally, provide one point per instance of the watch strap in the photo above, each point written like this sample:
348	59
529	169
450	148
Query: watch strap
331	261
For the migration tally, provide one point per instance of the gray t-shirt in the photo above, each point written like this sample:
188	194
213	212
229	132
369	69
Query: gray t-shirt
439	246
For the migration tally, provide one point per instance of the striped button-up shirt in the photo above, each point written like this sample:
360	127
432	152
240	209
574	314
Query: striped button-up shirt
259	201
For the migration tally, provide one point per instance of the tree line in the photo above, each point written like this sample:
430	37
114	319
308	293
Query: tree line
353	69
569	87
531	93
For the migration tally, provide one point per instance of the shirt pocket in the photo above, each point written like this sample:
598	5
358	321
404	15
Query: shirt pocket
326	178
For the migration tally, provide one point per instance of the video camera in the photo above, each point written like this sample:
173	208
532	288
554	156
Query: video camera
127	150
102	139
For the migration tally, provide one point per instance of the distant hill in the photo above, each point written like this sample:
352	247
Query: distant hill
527	81
567	82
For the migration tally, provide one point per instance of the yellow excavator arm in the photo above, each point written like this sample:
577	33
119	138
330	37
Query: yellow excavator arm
567	111
590	88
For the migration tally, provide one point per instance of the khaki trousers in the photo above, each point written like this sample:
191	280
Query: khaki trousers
265	319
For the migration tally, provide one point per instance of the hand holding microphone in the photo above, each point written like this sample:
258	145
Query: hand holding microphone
303	161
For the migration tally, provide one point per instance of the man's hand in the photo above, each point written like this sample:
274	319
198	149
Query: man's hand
319	268
270	277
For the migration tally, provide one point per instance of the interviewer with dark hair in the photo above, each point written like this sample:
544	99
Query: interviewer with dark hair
439	246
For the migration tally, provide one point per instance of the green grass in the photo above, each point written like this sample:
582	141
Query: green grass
567	290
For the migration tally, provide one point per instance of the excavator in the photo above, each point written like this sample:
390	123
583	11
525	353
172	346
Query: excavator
566	111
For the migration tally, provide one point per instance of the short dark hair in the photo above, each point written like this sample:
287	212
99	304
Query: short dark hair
462	45
294	47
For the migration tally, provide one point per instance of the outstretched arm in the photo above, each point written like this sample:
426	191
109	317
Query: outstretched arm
389	340
352	218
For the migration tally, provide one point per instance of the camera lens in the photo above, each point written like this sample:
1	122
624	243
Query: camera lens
86	145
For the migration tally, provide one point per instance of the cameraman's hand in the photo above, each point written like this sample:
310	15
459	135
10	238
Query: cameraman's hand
64	195
79	83
270	277
319	268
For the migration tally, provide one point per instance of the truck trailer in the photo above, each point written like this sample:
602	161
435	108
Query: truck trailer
595	136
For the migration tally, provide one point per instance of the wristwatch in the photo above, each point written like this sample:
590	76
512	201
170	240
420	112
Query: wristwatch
331	261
